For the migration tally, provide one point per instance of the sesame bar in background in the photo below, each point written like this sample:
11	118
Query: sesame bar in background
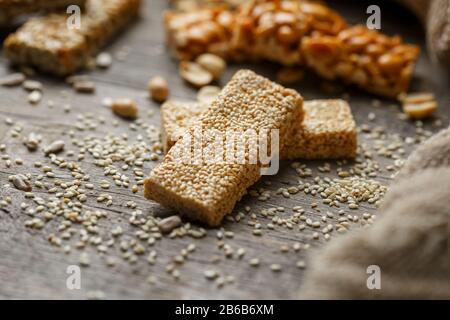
177	116
208	191
47	44
328	130
11	9
294	33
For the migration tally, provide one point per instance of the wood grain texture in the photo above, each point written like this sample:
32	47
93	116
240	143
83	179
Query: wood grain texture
31	268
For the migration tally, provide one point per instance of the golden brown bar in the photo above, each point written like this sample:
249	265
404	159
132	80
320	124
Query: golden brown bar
209	191
328	130
273	29
297	33
48	45
267	29
375	62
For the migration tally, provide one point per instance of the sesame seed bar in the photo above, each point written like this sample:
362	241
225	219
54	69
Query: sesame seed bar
208	191
47	44
11	9
328	130
297	33
177	116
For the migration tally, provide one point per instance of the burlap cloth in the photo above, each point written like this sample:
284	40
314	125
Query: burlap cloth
410	241
435	14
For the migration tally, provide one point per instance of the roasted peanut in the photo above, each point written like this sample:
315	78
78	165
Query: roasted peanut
212	63
195	74
420	110
390	63
158	89
207	94
125	108
419	97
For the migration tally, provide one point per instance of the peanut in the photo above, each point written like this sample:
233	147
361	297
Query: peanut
159	89
195	74
125	108
212	63
207	94
420	110
419	97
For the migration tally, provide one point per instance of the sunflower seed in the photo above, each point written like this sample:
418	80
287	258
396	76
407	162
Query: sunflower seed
32	85
168	224
55	147
21	182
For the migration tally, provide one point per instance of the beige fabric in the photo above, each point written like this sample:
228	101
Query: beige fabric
435	14
410	242
435	153
438	31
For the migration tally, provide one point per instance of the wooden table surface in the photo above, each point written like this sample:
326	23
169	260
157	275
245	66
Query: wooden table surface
30	267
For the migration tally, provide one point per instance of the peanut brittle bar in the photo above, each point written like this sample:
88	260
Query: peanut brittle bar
10	9
375	62
297	33
47	44
208	191
328	130
272	29
269	30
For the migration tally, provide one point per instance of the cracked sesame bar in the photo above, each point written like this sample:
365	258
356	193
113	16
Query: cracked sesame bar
208	191
177	116
47	44
11	9
296	33
328	130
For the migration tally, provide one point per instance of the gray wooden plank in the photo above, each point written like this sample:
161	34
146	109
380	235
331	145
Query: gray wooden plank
31	268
